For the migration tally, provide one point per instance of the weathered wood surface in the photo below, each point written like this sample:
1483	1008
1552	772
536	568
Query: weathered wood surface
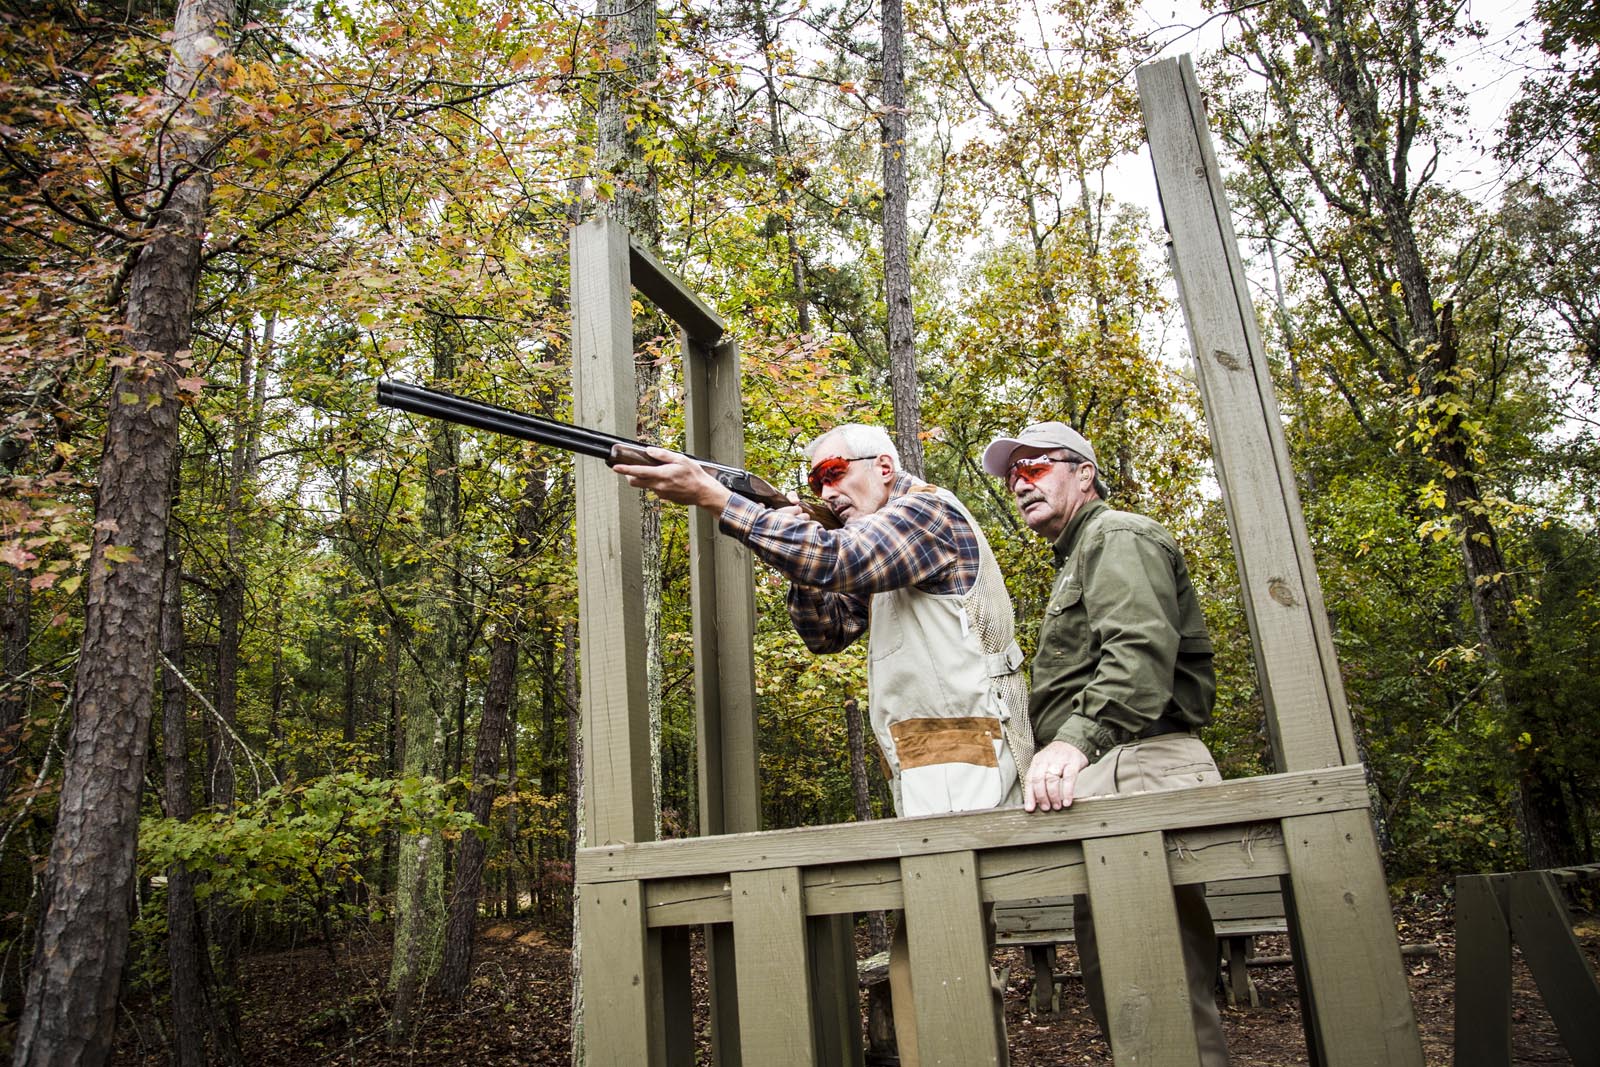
1357	983
1141	956
1307	717
618	973
722	597
1247	906
1303	793
950	979
776	1021
672	295
618	804
723	612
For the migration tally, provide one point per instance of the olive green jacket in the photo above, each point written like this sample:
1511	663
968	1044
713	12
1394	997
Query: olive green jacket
1123	641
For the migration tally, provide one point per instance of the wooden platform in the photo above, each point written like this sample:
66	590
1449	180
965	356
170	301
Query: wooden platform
796	980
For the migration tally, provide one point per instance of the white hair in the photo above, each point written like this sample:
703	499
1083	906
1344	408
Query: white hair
857	440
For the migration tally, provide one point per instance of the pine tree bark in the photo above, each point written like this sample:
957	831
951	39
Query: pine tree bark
82	942
897	245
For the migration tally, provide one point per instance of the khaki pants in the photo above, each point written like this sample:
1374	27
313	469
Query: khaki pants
1171	761
905	1009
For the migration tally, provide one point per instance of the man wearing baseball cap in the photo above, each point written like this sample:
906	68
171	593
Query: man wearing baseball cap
1122	676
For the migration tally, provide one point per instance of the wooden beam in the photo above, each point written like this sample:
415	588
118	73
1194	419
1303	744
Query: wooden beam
1346	938
722	598
624	1022
1307	717
672	295
776	1017
1005	875
618	803
1308	792
1141	954
950	979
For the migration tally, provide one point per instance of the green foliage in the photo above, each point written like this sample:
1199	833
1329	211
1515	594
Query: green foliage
295	848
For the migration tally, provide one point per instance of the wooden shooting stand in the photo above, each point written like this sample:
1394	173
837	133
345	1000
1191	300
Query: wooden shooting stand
776	907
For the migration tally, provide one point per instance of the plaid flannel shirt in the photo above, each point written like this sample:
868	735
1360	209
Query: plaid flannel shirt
916	539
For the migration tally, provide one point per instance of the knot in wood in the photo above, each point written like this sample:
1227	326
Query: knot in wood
1227	359
1280	591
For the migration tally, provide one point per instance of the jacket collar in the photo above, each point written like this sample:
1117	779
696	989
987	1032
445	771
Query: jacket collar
1068	541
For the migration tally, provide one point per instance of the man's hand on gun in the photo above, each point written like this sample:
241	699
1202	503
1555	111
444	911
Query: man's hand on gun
677	478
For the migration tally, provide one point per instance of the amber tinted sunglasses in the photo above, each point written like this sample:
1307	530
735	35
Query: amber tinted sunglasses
830	470
1033	468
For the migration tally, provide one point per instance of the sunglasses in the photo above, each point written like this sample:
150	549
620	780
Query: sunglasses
830	470
1032	469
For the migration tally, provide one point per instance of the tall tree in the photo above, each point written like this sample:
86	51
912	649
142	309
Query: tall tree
897	242
70	1009
1349	125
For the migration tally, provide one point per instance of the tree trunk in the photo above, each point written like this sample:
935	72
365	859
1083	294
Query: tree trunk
1379	142
419	903
880	1018
17	627
70	1010
511	829
183	927
498	719
897	246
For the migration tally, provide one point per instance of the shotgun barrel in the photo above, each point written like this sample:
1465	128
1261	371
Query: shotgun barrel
437	404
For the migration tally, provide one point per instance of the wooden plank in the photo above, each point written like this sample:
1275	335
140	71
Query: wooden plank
1141	955
836	985
722	977
617	789
1541	928
1483	975
1346	940
688	901
950	961
873	885
722	596
777	1023
1306	712
672	295
671	985
623	1024
1235	802
1240	887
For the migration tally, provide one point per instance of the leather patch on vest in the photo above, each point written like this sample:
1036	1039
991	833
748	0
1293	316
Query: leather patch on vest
929	742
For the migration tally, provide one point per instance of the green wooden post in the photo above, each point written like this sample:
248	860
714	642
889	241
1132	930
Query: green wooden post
1141	955
950	979
1357	986
1483	974
776	1017
722	596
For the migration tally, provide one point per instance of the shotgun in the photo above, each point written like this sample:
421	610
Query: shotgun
435	404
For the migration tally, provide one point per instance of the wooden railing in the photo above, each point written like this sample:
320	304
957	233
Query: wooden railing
789	895
1525	908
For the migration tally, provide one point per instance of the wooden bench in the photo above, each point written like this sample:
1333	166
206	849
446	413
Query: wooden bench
1241	909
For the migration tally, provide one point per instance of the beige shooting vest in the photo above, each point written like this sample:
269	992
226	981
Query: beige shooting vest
948	701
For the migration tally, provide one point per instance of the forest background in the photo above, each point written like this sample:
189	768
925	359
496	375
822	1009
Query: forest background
359	628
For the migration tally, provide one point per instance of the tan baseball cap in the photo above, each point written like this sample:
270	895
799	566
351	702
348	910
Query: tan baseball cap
997	457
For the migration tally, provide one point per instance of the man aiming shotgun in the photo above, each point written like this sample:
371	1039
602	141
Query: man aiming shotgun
944	686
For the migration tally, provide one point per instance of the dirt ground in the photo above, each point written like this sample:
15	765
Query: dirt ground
307	1006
